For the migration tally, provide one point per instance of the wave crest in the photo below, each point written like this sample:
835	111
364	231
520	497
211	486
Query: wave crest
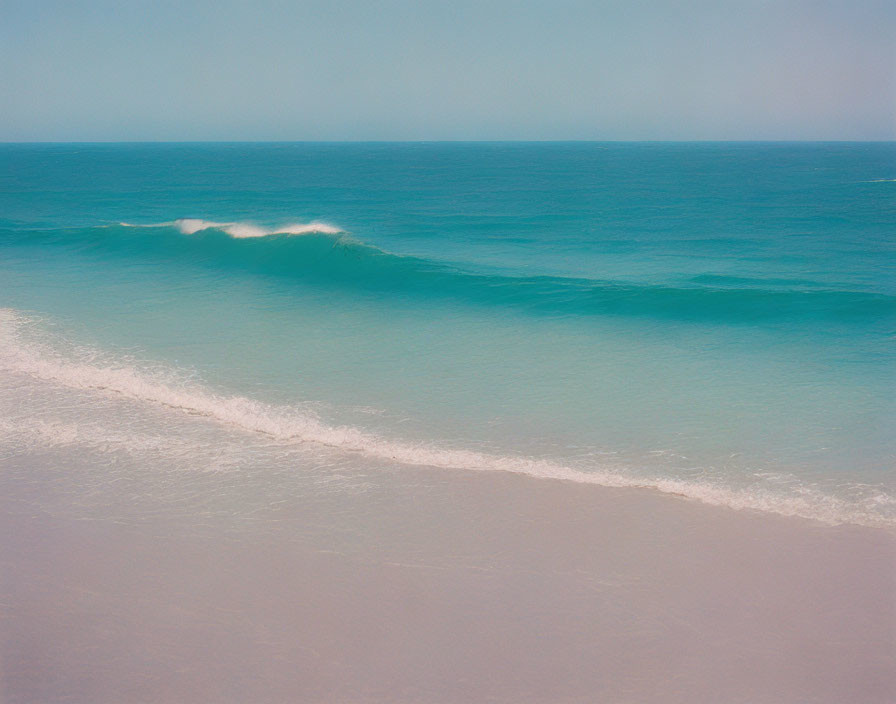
244	230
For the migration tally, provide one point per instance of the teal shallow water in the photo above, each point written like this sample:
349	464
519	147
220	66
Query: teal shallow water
716	320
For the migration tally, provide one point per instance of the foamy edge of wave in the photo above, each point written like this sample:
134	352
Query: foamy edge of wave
61	433
96	371
243	230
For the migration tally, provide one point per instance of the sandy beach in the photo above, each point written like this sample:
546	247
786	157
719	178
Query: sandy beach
442	586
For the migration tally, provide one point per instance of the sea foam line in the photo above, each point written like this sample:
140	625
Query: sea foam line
92	370
243	230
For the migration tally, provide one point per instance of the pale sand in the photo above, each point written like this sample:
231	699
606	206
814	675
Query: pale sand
443	586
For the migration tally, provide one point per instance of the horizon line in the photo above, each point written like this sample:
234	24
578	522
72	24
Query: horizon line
452	141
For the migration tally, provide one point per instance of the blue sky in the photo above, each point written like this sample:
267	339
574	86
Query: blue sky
277	70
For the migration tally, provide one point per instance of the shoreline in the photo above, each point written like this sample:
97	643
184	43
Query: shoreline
138	389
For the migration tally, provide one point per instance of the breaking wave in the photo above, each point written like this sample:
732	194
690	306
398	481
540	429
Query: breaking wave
25	351
244	230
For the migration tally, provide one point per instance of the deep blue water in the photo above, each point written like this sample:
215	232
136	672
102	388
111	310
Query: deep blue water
713	319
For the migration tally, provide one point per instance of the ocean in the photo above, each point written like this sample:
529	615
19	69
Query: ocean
712	320
504	422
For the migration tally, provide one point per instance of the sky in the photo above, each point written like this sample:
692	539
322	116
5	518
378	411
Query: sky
96	70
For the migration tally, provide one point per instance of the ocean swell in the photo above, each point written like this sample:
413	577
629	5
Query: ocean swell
325	256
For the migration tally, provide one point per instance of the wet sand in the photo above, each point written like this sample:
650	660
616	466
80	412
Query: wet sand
444	586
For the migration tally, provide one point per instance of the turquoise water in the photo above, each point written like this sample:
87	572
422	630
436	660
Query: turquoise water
713	320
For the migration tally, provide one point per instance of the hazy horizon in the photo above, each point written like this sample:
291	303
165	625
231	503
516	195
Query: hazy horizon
797	70
454	141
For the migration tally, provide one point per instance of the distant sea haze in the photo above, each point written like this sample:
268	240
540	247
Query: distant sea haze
714	321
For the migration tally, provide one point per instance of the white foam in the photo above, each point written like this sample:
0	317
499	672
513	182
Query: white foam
243	230
190	226
90	370
53	432
305	229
